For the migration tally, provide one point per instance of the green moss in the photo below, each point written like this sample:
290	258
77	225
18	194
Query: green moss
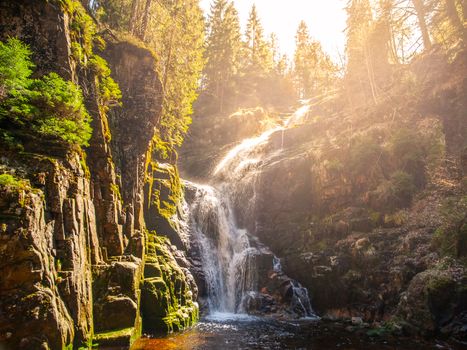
83	163
82	29
165	189
166	303
126	332
117	338
440	284
11	181
116	191
109	93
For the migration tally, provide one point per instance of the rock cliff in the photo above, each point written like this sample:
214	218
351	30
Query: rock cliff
78	263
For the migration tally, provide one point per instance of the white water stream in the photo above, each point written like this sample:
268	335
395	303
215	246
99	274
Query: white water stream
227	257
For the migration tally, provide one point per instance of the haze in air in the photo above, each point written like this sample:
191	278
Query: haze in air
193	174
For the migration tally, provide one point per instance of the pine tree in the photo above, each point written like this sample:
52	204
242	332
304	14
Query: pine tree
314	71
176	32
223	49
258	55
302	60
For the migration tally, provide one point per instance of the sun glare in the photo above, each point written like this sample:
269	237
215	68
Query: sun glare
325	20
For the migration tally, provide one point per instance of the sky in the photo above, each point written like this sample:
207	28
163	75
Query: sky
325	20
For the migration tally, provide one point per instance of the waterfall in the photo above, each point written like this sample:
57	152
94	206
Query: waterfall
225	249
227	255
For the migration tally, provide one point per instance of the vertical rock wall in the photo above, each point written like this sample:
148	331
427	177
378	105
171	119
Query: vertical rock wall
72	244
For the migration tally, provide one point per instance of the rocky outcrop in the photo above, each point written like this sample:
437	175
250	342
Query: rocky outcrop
49	242
169	292
435	300
133	68
73	242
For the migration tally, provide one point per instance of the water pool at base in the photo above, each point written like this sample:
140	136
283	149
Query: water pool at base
228	331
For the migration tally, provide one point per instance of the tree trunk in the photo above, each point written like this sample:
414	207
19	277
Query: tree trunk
420	9
134	17
144	23
454	17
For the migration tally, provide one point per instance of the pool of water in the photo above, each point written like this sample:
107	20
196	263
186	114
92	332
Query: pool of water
227	331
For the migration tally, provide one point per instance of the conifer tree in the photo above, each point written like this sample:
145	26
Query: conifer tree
303	60
223	49
314	71
258	55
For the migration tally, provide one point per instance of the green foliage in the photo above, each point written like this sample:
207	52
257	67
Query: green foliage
223	47
7	180
406	146
15	67
82	29
314	72
60	110
115	13
179	42
402	185
257	53
398	191
48	106
109	91
241	73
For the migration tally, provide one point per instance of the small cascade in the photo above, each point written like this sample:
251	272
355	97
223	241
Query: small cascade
276	264
227	255
300	300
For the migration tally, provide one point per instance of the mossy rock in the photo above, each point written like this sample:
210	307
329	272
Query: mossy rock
121	338
166	298
152	270
434	297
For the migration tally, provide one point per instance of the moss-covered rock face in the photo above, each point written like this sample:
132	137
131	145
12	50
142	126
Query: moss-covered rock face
164	193
167	298
72	232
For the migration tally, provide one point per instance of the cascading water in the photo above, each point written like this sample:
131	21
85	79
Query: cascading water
227	254
225	250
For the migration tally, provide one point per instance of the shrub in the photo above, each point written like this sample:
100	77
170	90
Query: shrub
403	185
60	110
364	155
49	106
109	91
15	66
397	191
406	147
